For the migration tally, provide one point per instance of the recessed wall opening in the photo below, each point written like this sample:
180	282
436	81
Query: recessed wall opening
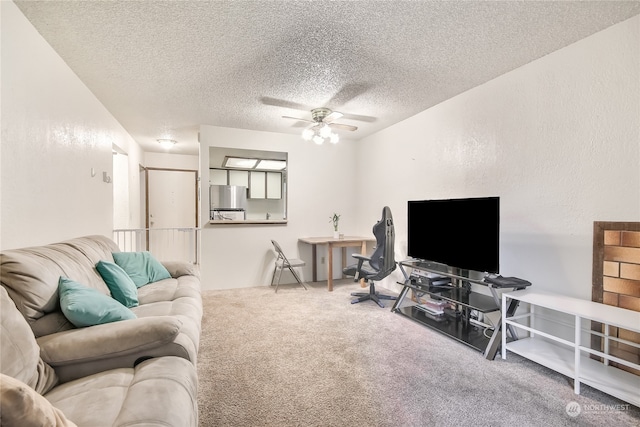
247	185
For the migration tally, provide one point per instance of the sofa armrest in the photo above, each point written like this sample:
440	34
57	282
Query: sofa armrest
181	268
108	341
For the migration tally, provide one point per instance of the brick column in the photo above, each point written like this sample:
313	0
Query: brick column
616	280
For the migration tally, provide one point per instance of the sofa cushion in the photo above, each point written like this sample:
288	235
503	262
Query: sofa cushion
20	405
181	268
142	267
31	275
19	352
85	306
51	323
157	392
120	284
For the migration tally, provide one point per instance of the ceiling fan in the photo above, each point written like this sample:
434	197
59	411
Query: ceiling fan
321	125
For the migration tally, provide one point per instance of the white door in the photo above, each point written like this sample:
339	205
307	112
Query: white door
172	214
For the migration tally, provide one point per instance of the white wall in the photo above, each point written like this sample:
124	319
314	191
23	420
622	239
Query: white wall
558	140
54	133
122	217
135	156
171	161
321	181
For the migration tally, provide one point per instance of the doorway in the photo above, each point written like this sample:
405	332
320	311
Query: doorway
172	213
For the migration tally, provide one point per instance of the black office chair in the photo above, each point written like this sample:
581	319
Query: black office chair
379	265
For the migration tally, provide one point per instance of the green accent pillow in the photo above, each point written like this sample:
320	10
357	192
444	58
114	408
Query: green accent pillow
85	306
142	267
120	284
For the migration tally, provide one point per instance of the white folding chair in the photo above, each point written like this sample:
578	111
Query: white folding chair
283	262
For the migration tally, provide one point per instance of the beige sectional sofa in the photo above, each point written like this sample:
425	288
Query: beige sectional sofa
139	371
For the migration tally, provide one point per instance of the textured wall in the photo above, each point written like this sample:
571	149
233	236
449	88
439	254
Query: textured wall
54	133
321	181
558	140
171	161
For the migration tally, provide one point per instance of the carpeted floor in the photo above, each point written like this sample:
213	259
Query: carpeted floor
310	358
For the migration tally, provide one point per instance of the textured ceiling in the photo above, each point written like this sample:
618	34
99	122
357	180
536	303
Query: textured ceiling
164	67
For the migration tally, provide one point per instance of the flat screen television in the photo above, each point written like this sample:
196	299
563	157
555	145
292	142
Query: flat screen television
460	233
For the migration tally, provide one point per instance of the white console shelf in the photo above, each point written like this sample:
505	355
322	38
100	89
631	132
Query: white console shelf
565	349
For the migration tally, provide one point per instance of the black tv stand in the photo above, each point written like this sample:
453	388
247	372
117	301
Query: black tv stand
459	327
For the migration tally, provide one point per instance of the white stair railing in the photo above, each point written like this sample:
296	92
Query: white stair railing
166	244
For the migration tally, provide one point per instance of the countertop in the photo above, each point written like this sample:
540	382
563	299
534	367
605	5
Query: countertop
247	221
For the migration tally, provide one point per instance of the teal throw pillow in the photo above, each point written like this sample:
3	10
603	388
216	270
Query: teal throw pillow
120	284
85	306
142	267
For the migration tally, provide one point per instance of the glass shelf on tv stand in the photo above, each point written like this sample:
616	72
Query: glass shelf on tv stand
464	300
443	270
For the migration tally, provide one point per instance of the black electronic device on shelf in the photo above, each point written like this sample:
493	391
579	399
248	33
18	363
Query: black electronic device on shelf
438	282
498	281
431	281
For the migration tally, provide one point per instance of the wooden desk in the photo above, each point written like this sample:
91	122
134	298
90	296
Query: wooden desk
345	242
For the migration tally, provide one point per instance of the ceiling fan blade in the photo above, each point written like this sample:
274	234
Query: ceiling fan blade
332	117
348	92
299	125
343	126
360	118
267	100
298	118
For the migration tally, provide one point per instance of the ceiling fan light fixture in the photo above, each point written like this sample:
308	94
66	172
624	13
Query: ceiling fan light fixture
307	134
325	131
321	128
319	134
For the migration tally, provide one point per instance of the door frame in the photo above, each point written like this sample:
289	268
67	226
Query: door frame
146	194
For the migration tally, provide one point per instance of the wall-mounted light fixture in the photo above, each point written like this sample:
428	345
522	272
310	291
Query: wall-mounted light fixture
167	143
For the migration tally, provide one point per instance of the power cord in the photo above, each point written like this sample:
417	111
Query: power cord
474	315
484	332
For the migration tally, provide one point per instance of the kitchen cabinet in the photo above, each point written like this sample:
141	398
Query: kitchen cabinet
265	185
274	185
257	185
217	177
229	177
240	178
